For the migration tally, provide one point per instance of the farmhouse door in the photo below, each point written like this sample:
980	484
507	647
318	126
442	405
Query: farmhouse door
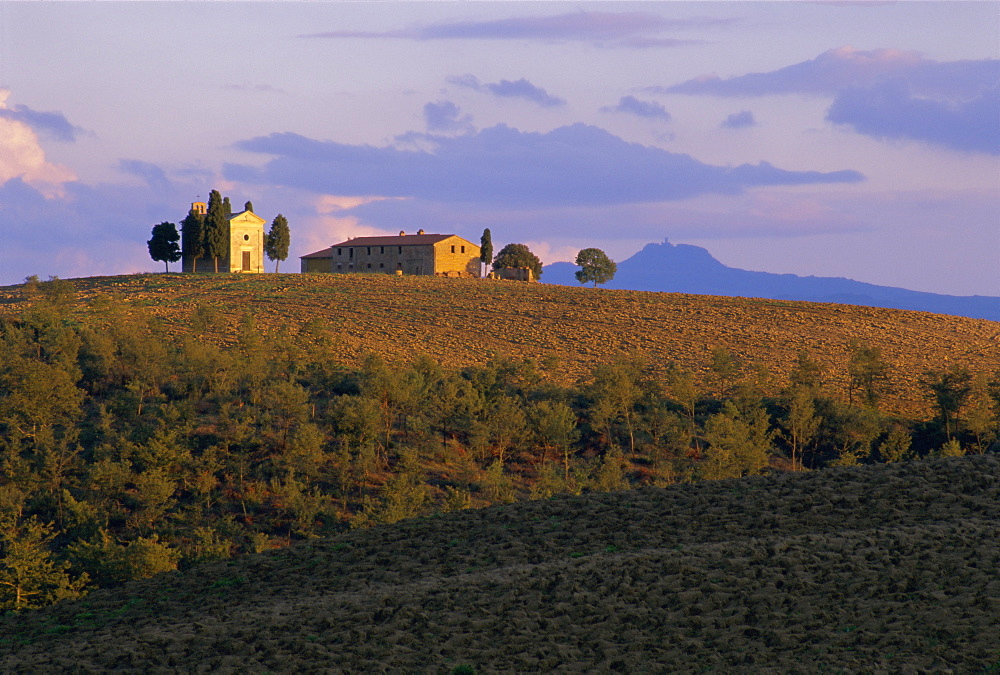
246	261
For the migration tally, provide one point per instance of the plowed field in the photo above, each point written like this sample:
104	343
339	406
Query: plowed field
461	321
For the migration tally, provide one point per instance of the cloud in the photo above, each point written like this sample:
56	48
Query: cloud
52	124
633	106
740	120
153	175
253	88
22	156
846	67
892	112
886	94
573	165
619	29
444	116
86	230
508	89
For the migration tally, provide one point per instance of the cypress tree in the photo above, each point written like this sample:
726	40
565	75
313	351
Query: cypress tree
486	247
193	232
216	228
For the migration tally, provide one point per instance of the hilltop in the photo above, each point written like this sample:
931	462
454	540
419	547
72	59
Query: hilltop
460	322
884	568
692	269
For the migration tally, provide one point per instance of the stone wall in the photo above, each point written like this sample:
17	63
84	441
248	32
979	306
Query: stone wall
445	258
456	257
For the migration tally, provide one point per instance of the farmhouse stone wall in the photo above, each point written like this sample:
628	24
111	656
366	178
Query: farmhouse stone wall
426	255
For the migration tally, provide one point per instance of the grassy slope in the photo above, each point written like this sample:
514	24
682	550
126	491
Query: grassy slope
886	568
460	321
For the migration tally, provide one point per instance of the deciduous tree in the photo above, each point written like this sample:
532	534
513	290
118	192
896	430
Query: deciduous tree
869	372
518	255
163	246
596	266
950	389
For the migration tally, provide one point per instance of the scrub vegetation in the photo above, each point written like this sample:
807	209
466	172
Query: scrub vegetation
154	423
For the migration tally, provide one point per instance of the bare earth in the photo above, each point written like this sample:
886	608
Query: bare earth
890	568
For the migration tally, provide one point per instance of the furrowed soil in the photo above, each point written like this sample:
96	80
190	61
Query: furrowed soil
889	568
460	321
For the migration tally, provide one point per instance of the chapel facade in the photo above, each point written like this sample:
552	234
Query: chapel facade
245	253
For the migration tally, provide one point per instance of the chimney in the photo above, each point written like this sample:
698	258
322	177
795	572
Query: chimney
420	231
402	234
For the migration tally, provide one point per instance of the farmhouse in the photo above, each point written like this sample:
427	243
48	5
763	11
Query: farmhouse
442	255
246	244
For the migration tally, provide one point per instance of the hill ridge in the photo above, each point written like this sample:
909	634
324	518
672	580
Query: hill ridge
686	268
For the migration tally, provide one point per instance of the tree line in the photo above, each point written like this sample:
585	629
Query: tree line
124	452
595	265
206	235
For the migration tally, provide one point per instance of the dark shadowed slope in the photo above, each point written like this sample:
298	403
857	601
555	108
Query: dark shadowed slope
682	268
890	568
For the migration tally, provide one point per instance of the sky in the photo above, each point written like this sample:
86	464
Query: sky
846	139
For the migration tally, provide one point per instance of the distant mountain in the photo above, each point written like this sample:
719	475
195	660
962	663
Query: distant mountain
681	268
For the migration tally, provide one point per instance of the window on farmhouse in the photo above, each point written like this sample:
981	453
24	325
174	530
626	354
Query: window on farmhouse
350	253
369	265
382	250
340	251
400	250
369	252
463	249
381	265
452	249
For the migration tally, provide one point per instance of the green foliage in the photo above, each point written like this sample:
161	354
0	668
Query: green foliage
163	245
29	576
277	241
216	228
111	563
518	255
739	444
403	496
596	266
950	389
608	474
193	237
896	446
801	422
869	372
951	448
486	247
142	452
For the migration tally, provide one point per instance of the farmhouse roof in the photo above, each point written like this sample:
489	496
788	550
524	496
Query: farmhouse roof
405	240
399	240
325	253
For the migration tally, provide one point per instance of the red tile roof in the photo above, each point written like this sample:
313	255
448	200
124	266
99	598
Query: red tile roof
405	240
325	253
